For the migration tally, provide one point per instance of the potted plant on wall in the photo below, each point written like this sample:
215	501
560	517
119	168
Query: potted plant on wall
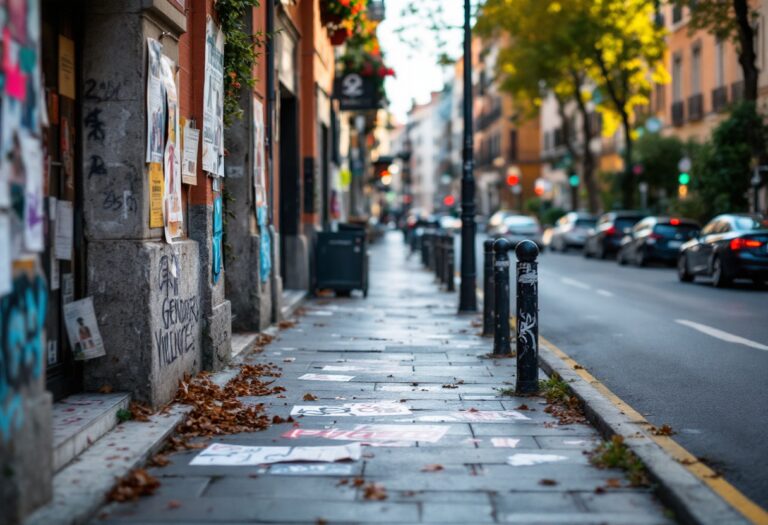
335	12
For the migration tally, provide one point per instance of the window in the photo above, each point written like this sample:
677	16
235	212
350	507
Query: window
719	64
513	145
677	78
696	69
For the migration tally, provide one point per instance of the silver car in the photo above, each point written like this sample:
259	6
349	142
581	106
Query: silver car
516	228
571	231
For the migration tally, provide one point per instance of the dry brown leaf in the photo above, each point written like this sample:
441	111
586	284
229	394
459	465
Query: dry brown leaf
309	397
132	486
174	504
664	430
548	482
374	491
159	460
434	467
613	483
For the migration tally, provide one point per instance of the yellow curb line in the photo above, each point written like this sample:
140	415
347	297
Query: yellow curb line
751	510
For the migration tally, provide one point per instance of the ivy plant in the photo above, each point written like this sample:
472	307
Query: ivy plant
241	50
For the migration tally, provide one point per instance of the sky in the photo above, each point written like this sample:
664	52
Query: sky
416	64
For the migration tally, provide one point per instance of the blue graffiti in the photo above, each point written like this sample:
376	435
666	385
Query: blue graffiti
22	341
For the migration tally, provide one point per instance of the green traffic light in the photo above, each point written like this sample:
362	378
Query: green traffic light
684	179
573	180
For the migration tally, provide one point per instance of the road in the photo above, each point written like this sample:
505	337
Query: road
687	355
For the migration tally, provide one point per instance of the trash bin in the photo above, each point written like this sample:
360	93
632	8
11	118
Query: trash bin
342	260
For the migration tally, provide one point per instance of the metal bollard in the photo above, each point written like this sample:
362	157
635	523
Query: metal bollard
424	249
488	287
501	249
451	266
527	318
438	262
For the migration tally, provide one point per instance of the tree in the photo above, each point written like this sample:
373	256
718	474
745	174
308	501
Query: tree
721	170
659	156
541	56
729	20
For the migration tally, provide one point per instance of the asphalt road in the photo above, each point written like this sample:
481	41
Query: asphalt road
650	339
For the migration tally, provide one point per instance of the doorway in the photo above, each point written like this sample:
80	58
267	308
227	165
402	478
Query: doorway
290	193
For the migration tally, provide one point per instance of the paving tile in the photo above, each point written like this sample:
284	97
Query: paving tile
457	513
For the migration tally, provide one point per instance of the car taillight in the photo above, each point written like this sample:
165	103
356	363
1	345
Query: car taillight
611	231
655	236
741	244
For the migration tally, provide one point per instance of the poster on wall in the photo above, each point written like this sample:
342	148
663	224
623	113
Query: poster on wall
213	101
62	244
155	102
34	201
174	216
66	67
6	284
260	193
156	190
218	232
191	139
83	330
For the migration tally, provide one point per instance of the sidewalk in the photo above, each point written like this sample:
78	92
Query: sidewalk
454	451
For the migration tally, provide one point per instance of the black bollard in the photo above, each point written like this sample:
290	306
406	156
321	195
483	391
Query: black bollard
501	249
438	266
527	318
488	287
450	258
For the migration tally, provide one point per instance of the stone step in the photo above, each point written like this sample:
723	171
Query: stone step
79	489
80	420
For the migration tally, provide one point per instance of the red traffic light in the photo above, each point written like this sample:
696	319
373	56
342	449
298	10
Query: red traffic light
513	179
539	190
449	200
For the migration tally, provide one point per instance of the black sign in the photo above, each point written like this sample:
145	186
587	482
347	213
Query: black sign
356	92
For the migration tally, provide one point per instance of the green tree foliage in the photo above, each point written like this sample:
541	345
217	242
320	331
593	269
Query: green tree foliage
659	156
721	170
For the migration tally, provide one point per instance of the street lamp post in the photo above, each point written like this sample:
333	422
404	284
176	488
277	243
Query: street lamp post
467	293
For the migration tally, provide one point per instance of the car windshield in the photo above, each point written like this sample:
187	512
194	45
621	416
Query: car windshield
626	222
670	230
750	223
519	221
586	223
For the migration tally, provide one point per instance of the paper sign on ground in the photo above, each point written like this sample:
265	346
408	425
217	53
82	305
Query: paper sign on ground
326	377
312	469
371	433
64	230
83	331
527	460
233	455
481	416
352	409
505	442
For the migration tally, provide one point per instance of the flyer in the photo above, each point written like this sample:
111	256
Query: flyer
238	455
6	282
191	138
213	101
155	102
34	202
62	245
173	215
156	184
82	329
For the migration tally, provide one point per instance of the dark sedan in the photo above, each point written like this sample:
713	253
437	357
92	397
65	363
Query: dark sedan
656	239
605	239
731	246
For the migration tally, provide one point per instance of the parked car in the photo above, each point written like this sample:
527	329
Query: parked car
605	239
516	228
495	223
570	231
730	246
656	239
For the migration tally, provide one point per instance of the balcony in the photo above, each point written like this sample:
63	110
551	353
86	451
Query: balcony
695	107
737	91
719	98
678	113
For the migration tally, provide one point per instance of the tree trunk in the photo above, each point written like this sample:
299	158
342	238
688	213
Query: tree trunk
567	138
628	186
587	157
747	56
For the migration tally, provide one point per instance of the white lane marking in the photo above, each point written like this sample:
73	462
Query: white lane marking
719	334
574	282
604	293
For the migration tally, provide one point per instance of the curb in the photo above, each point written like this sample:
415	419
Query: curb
692	500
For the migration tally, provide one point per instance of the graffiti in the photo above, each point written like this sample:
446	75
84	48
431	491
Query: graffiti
180	316
95	126
525	332
114	202
97	166
22	348
101	91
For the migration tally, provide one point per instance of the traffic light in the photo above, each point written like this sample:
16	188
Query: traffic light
449	200
513	179
684	178
573	180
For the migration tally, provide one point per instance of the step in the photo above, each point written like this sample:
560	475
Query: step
80	420
79	489
291	301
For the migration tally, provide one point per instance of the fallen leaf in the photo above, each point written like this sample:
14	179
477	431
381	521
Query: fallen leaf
159	460
374	491
523	407
174	504
435	467
132	486
310	397
665	430
105	389
599	490
548	482
358	482
613	483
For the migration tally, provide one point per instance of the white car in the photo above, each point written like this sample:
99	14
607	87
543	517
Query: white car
571	231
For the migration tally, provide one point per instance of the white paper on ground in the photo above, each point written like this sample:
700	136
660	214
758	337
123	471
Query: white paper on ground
326	377
375	433
527	460
481	416
505	442
311	469
234	455
352	409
